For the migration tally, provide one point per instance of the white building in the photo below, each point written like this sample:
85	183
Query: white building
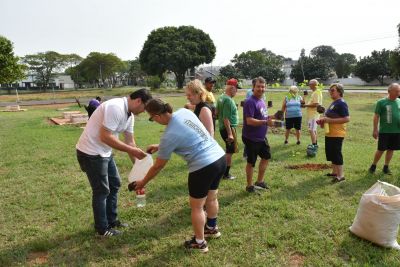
60	81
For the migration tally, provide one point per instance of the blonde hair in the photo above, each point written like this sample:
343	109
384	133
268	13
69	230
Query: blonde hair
196	87
293	90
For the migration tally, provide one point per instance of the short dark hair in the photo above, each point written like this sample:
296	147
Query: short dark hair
98	98
143	94
258	79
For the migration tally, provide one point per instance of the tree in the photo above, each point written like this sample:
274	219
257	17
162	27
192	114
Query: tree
135	72
176	49
260	63
345	64
394	59
308	68
44	66
72	60
374	67
326	53
394	62
229	71
10	69
100	67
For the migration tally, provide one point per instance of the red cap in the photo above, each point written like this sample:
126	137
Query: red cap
232	82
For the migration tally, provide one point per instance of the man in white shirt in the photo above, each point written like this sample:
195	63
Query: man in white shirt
94	153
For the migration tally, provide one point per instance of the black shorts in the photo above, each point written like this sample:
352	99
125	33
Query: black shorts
293	123
389	141
254	149
207	178
333	150
230	147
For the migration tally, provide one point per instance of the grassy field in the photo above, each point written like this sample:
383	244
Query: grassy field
46	216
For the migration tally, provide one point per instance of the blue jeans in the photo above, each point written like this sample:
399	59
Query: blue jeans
105	182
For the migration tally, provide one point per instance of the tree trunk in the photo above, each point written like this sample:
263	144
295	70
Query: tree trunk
180	79
380	79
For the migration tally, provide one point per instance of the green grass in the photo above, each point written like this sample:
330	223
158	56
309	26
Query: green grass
46	217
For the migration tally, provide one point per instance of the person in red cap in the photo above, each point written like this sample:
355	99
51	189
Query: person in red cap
228	120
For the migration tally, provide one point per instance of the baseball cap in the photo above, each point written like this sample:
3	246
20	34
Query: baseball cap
210	80
233	82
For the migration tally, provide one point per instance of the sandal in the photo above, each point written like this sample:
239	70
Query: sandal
338	180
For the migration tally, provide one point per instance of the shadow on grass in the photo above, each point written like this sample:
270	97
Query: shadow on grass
139	244
363	183
302	189
361	252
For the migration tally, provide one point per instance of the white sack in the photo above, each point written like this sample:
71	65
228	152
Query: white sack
378	215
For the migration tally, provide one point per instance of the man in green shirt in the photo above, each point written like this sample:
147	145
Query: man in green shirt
228	120
387	113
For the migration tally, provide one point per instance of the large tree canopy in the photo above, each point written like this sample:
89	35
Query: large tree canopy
176	49
374	67
229	71
345	64
44	66
326	53
10	70
310	67
394	59
260	63
98	67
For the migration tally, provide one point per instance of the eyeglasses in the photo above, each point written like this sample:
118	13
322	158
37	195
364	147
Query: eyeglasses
332	90
152	117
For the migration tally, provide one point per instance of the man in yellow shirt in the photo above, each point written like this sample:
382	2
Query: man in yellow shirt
209	83
311	108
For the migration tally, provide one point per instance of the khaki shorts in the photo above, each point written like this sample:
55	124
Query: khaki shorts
312	124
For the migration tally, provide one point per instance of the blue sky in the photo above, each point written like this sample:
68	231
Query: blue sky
122	26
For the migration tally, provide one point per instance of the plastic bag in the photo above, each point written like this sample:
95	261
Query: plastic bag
378	215
140	168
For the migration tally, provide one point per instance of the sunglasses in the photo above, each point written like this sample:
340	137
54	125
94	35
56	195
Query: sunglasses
152	117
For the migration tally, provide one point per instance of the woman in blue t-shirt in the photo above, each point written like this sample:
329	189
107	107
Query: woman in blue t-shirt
186	136
292	108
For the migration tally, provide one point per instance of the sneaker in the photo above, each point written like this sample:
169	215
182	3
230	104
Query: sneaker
211	233
250	189
337	180
286	142
372	169
192	244
109	232
261	186
387	171
228	177
118	224
298	143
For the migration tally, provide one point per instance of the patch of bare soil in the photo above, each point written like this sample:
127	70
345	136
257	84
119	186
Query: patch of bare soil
296	259
309	167
51	106
37	258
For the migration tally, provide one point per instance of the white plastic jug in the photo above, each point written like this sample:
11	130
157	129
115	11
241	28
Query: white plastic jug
140	168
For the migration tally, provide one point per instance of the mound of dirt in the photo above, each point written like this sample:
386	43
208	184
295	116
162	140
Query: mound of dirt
309	167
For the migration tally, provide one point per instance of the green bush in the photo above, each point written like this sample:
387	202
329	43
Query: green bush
153	82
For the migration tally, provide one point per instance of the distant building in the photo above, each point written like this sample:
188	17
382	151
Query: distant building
60	81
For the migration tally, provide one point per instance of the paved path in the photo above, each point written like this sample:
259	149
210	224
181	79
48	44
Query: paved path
86	100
